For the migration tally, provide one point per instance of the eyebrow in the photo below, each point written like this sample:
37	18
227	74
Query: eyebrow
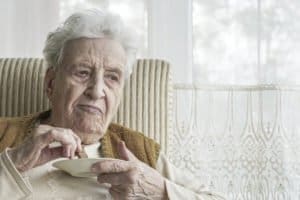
114	69
86	66
111	68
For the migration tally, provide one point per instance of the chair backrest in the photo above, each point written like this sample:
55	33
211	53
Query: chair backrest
146	104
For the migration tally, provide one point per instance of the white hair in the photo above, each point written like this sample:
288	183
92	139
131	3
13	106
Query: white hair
91	24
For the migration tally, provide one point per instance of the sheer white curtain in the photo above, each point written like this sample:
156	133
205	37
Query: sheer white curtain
246	42
236	126
24	26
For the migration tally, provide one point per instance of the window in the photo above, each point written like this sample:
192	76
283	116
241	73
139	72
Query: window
246	42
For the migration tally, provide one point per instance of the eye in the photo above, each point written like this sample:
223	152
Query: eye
83	73
113	77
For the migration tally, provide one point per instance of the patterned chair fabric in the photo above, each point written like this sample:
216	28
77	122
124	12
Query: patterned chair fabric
146	104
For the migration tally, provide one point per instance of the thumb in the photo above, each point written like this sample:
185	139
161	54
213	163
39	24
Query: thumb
125	153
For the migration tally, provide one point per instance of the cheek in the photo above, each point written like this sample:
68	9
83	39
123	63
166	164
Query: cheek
69	92
113	100
74	93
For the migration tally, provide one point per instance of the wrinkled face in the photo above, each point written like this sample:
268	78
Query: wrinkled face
85	90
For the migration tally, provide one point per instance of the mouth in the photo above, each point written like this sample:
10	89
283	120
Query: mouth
90	109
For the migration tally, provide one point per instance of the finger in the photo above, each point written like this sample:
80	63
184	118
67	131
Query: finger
67	151
112	166
60	135
125	153
70	149
78	141
73	149
64	136
42	128
123	178
74	146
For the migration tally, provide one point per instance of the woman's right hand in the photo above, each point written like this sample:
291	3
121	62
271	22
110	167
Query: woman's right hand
36	151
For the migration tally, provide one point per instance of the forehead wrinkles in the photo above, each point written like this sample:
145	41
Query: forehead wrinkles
105	54
96	51
99	59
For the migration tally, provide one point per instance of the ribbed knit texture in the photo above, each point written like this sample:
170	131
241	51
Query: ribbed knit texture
146	149
145	107
13	131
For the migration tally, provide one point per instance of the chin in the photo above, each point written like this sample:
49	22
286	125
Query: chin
87	139
89	135
89	129
89	126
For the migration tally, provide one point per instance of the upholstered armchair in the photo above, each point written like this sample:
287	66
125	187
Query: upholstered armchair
146	104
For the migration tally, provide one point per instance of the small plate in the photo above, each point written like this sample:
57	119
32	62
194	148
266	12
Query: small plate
79	167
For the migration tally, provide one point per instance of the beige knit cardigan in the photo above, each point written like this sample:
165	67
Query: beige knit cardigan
13	131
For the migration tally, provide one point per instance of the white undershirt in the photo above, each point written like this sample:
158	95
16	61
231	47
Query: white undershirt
92	150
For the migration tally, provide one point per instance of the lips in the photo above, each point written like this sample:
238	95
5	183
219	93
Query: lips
90	109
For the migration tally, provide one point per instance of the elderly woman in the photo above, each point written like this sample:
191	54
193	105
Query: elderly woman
89	57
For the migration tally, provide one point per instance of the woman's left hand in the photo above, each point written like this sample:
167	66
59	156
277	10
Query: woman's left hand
130	178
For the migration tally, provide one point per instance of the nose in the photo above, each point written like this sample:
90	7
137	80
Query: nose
96	87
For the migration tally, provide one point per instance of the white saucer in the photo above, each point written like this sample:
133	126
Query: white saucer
79	167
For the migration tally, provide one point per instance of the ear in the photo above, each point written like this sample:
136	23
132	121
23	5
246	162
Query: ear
49	81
